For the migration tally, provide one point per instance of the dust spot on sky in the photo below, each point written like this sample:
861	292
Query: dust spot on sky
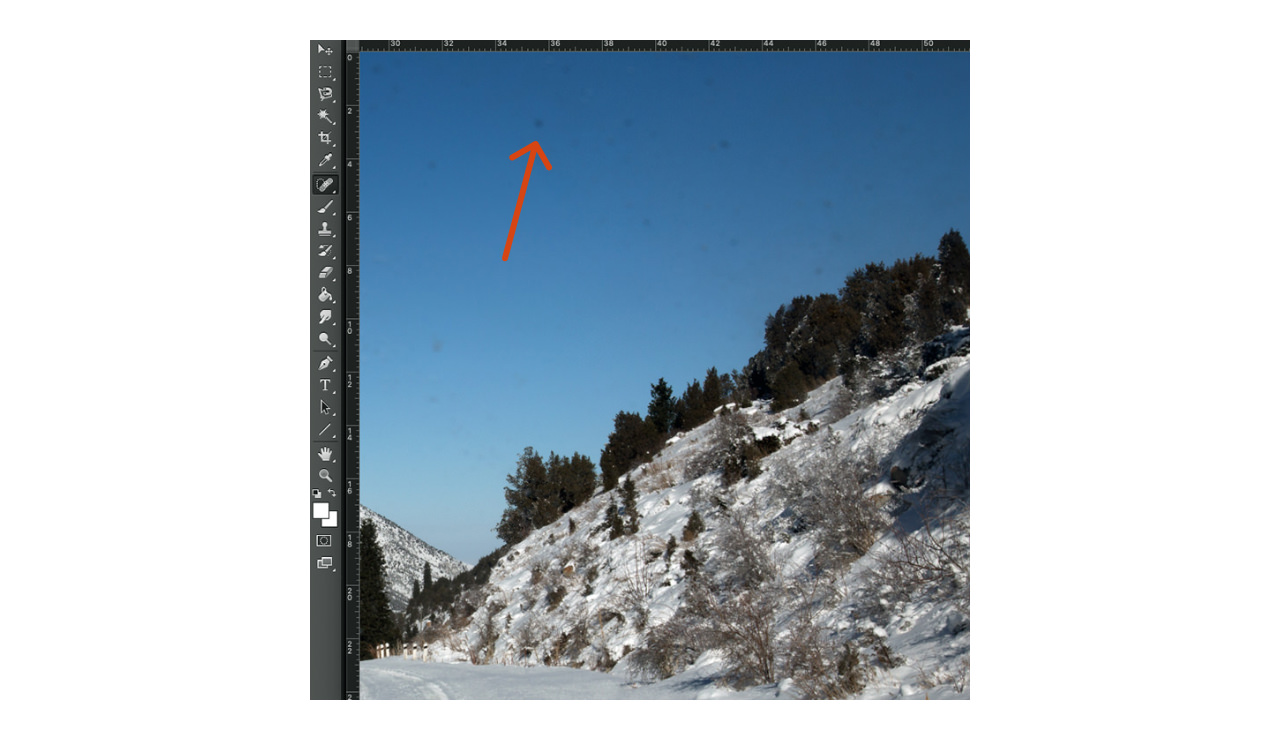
724	144
436	345
537	123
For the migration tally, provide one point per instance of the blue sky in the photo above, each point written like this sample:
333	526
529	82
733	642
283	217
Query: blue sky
690	196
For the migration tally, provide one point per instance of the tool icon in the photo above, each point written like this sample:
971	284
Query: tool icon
321	49
324	540
324	562
325	208
324	229
329	519
326	159
325	295
324	475
326	428
325	338
325	71
325	251
326	455
324	114
325	93
324	384
326	138
323	185
325	315
325	410
315	493
326	362
326	272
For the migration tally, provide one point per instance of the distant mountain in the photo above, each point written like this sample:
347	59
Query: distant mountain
406	554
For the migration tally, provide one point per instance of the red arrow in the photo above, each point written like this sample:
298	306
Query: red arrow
533	150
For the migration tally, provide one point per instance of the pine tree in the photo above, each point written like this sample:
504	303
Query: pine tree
789	387
953	257
629	506
632	441
426	575
614	520
524	493
662	412
377	625
713	391
693	527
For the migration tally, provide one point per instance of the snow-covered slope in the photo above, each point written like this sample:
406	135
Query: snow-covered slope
406	554
841	569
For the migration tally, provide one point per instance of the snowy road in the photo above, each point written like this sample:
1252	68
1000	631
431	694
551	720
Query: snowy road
397	678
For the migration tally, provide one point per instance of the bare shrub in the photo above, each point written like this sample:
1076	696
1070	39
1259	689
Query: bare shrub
933	561
532	632
829	495
670	647
638	581
747	561
744	626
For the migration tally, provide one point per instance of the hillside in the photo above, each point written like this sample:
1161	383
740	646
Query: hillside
406	555
836	567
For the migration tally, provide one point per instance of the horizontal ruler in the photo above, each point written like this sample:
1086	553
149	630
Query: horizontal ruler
658	45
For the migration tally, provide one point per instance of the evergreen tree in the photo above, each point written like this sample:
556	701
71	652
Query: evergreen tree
614	520
713	391
927	320
662	412
629	506
789	387
953	257
572	480
426	575
377	625
692	409
632	442
693	527
525	493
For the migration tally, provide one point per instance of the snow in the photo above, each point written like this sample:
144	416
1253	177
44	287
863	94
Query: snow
618	590
398	678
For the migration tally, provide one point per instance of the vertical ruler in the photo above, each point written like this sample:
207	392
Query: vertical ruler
351	364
